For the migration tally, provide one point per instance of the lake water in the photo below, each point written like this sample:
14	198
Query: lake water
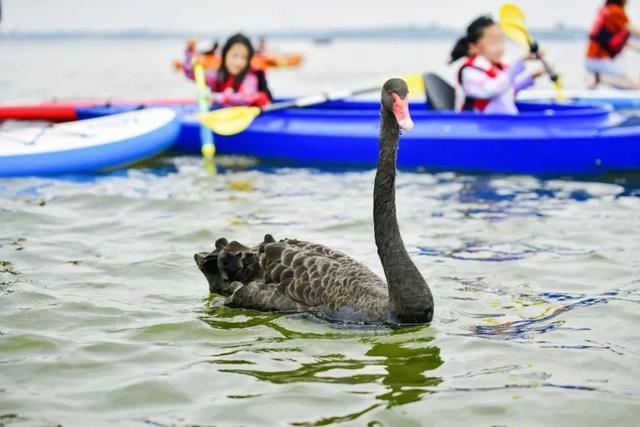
104	317
141	68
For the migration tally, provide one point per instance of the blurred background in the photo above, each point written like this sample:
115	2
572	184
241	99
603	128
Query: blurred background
94	49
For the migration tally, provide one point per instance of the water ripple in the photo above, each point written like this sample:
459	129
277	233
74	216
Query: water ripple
500	251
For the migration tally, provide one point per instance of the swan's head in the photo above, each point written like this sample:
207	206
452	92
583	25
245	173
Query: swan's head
395	100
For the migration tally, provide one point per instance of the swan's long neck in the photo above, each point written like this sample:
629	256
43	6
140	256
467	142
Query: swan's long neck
409	297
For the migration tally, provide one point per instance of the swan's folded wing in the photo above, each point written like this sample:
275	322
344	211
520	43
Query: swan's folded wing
315	276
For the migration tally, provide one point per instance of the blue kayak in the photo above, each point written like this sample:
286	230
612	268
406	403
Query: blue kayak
616	98
87	146
542	139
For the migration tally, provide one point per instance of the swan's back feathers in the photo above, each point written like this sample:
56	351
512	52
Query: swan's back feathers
294	275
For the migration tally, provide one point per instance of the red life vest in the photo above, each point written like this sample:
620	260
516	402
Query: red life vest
611	42
478	104
264	95
227	84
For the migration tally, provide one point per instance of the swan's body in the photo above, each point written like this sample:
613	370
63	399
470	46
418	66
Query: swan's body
291	275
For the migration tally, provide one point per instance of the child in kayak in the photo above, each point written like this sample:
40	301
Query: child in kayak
488	85
609	36
235	82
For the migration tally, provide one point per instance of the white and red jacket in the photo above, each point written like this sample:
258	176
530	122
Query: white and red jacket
490	88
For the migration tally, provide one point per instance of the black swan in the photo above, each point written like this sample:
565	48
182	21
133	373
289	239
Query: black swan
294	276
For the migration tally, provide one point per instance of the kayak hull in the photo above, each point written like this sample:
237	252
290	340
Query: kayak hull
573	141
260	61
555	153
87	146
68	110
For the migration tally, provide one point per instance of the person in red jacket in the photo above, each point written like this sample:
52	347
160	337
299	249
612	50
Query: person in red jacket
608	37
235	82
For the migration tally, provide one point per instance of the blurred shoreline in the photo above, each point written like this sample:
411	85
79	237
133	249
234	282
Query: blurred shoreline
406	33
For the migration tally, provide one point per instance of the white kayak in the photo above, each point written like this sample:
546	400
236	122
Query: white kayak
87	146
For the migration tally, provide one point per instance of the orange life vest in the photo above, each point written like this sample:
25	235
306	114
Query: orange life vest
610	41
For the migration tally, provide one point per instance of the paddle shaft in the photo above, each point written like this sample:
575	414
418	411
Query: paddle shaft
317	99
206	137
553	76
233	120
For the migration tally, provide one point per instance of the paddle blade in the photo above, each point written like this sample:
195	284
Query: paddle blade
517	34
229	121
513	24
415	83
512	13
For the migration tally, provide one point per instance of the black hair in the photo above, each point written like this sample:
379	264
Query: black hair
223	73
474	33
618	2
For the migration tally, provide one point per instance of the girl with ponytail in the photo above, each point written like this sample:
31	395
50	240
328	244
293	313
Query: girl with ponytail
488	85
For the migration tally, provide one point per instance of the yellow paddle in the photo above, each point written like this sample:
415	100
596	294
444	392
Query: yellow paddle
512	21
233	120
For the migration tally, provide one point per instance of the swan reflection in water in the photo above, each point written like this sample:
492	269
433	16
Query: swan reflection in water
395	364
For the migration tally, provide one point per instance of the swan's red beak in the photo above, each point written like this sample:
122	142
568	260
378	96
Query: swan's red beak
401	111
